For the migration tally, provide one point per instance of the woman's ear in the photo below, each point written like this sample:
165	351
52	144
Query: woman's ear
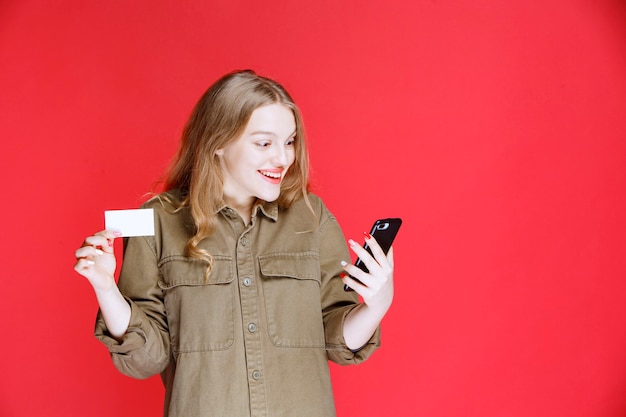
219	152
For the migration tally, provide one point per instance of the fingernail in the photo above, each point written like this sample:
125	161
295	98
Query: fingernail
351	242
343	275
344	263
91	263
367	235
99	252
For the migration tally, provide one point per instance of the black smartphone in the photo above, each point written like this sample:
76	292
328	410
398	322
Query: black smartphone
384	231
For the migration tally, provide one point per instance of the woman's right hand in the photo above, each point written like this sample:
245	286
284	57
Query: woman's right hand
95	260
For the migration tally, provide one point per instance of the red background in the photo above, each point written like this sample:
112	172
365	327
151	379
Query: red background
495	129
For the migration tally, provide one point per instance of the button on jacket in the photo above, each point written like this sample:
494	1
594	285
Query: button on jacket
255	337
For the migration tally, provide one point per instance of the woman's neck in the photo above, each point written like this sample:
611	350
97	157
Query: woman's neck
244	209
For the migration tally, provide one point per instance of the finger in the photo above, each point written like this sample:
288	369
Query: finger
390	257
83	264
96	240
102	240
356	273
372	264
358	287
87	251
363	254
110	234
379	254
377	251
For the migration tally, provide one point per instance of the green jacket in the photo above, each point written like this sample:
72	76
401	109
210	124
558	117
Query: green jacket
255	338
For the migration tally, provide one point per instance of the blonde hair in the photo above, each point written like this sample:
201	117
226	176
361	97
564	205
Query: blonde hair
218	119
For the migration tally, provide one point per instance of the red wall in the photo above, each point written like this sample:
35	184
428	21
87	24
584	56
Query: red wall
495	129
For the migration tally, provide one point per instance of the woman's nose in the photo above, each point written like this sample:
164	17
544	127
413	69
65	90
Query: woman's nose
280	156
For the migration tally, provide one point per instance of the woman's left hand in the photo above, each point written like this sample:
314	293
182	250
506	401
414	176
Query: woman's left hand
375	287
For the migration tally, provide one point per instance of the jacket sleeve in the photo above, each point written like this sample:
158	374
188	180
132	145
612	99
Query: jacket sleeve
337	303
145	348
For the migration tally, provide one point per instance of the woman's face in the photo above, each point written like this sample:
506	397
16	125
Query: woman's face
255	164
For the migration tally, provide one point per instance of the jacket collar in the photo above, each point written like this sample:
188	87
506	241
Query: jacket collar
268	209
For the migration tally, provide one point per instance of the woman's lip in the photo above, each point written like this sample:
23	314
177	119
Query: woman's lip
274	172
275	178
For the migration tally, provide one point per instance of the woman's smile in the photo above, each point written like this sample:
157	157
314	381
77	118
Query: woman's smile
273	176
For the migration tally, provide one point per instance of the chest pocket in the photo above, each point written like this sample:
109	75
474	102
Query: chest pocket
293	308
199	310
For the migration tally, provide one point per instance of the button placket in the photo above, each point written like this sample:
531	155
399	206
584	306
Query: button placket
250	318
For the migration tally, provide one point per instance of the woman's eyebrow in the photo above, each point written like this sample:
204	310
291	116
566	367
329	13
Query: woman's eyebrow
262	132
267	132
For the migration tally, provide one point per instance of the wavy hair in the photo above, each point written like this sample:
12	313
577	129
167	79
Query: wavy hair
218	119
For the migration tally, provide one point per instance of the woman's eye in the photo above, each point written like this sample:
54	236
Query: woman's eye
263	144
291	142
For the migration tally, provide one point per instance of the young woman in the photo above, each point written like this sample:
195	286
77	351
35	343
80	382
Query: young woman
238	299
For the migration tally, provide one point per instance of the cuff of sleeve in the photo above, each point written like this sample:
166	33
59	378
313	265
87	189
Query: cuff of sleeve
134	338
339	353
366	350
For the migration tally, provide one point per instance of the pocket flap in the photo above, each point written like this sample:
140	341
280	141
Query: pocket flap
299	265
183	270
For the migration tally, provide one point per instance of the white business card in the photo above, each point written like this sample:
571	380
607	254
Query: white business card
137	222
